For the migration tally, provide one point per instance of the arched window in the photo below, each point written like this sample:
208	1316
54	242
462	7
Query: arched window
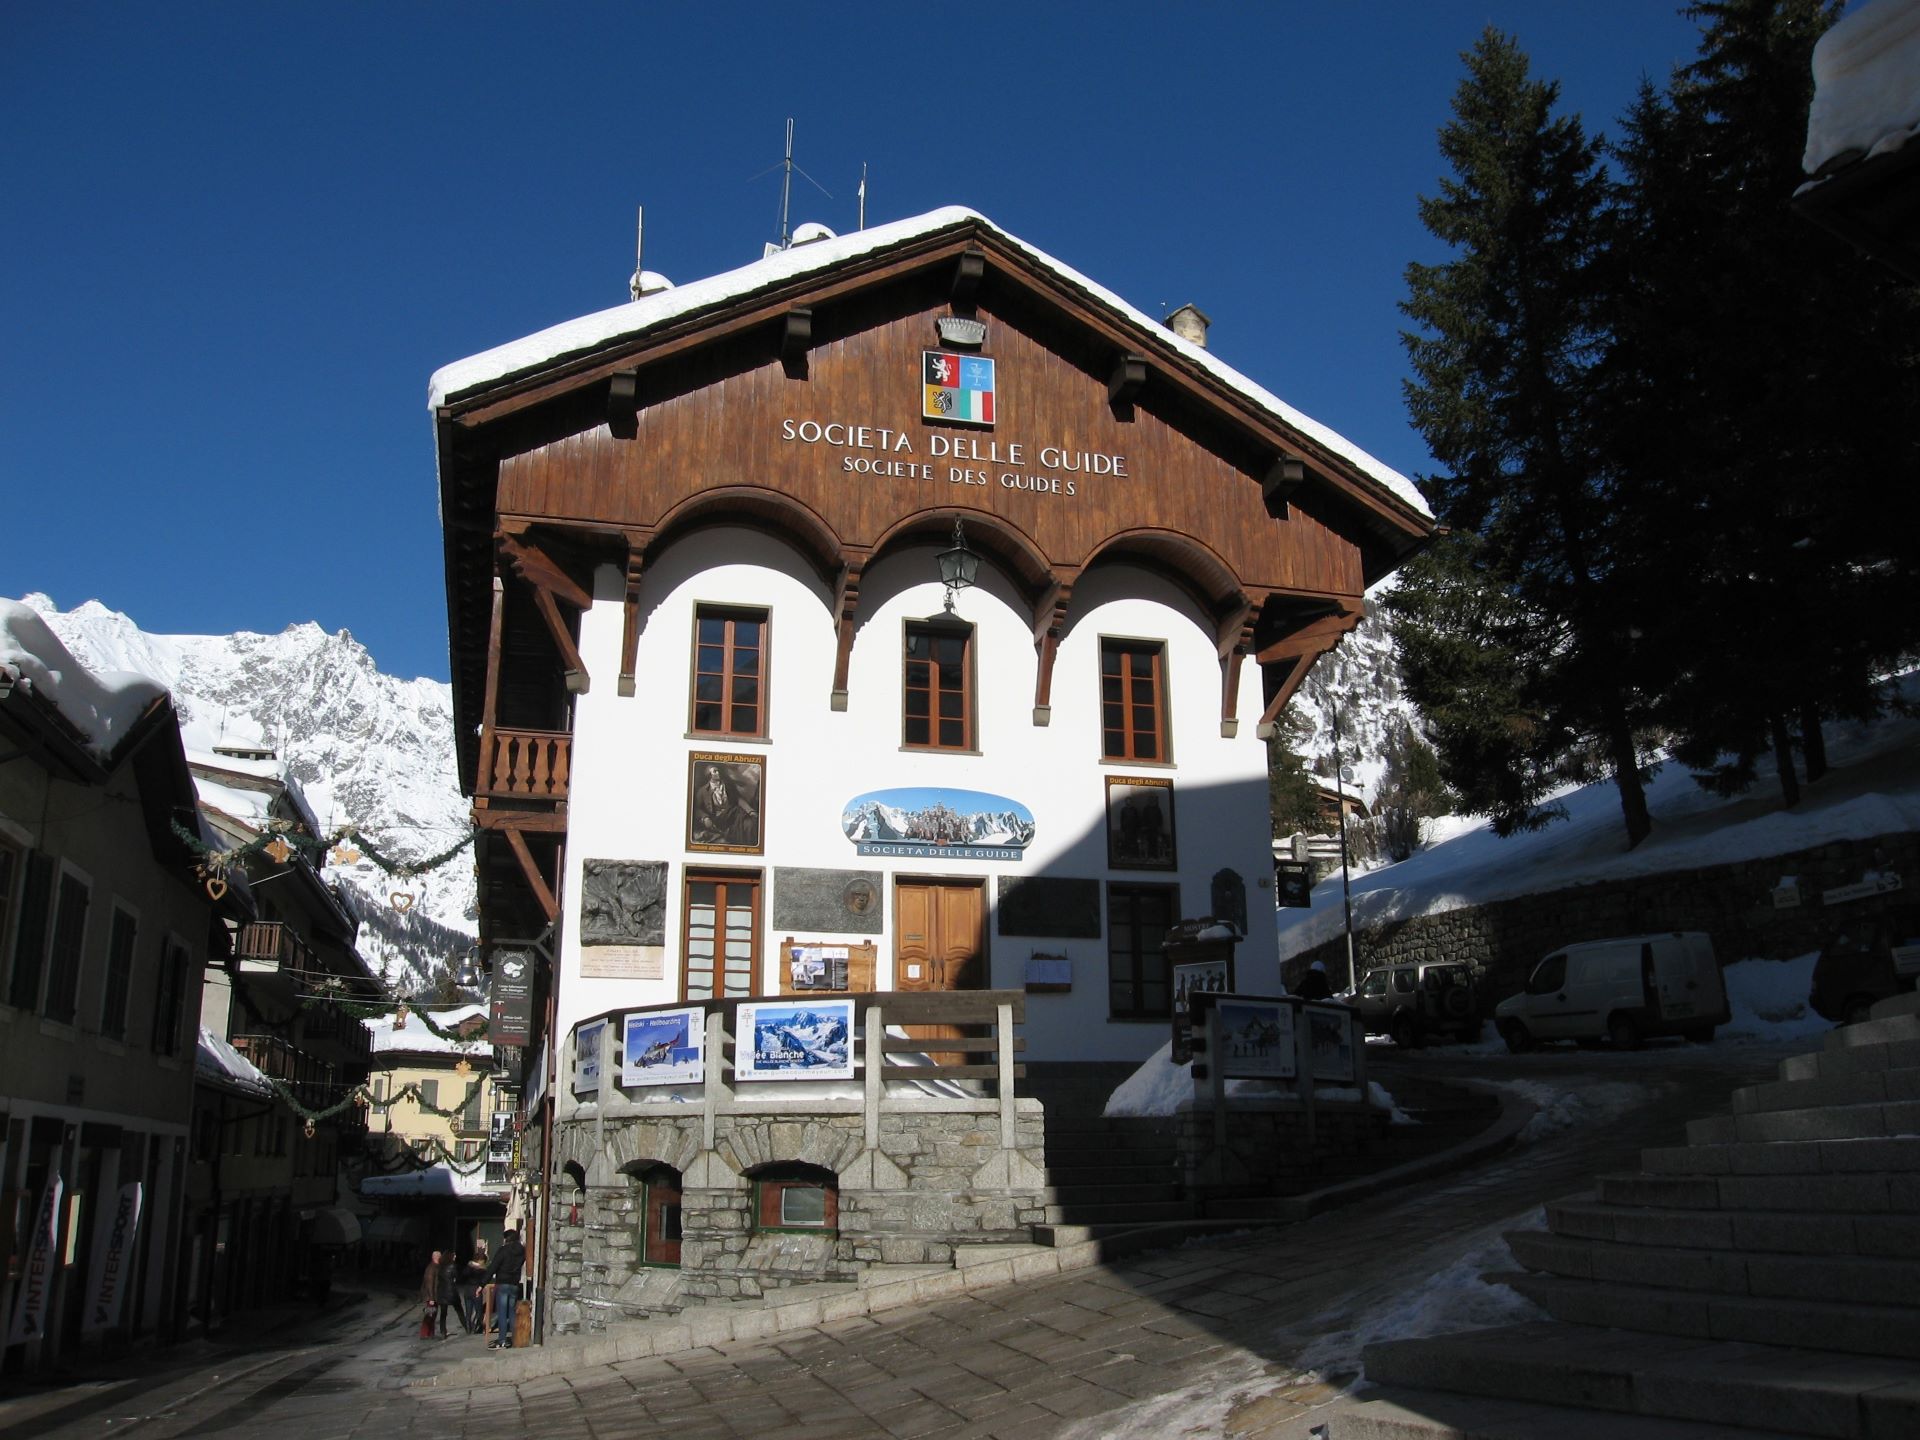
796	1197
659	1215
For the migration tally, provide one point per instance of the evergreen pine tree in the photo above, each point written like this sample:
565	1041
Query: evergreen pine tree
1505	391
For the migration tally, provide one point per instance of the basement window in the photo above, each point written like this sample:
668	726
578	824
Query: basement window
796	1197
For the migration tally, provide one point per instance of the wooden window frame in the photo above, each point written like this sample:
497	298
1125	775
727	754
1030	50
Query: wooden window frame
705	876
941	628
67	954
654	1183
1129	750
116	993
1138	959
770	1189
730	614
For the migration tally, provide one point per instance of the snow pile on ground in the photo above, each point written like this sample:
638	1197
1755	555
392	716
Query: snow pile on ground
1873	788
1159	1087
1454	1297
1769	999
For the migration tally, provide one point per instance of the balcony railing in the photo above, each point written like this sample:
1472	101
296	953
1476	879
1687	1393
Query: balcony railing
526	765
273	943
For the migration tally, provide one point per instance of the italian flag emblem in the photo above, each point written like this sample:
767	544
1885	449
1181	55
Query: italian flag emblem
957	387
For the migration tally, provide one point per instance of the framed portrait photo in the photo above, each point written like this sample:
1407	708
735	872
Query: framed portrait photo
725	799
1140	823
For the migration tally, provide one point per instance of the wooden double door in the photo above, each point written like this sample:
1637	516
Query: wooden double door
940	943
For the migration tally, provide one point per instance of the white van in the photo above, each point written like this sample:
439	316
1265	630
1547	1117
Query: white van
1624	989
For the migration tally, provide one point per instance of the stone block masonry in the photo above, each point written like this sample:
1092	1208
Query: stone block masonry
938	1180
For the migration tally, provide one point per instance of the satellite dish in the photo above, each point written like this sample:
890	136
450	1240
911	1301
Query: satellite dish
809	232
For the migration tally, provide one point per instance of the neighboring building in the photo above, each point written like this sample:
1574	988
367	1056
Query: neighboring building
104	930
264	1191
432	1177
712	693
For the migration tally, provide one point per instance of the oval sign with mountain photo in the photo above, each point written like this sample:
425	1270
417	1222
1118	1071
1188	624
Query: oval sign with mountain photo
933	822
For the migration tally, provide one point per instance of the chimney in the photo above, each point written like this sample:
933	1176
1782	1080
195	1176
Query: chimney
1189	323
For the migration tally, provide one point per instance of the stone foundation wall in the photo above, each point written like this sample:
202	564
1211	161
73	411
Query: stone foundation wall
937	1180
1266	1151
1732	903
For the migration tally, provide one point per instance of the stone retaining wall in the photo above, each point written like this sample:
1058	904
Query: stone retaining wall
937	1180
1733	903
1266	1152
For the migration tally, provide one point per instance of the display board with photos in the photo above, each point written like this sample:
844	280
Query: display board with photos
664	1047
799	1039
1197	977
587	1039
1332	1032
1256	1038
811	966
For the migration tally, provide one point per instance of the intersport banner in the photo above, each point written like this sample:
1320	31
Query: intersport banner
35	1295
113	1261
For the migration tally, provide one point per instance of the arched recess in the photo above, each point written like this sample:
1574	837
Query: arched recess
993	538
786	519
1198	571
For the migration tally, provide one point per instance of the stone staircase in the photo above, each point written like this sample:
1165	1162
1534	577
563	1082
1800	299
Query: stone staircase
1762	1279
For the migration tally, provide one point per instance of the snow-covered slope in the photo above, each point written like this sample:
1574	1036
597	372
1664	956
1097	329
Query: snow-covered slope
1872	789
1361	679
367	749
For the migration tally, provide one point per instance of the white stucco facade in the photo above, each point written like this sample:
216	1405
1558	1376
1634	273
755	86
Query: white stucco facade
629	793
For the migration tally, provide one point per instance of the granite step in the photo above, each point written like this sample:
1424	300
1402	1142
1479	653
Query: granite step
1130	1193
1141	1212
1857	1329
1786	1157
1892	1055
1825	1122
1860	1087
1772	1232
1861	1193
1871	1280
1065	1175
1885	1028
1769	1389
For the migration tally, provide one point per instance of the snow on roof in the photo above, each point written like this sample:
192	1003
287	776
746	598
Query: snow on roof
651	312
415	1038
218	1061
1866	85
102	706
251	805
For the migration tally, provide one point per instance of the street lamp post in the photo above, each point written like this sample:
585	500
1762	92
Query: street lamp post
1346	878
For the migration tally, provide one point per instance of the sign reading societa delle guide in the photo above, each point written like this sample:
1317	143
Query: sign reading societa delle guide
960	390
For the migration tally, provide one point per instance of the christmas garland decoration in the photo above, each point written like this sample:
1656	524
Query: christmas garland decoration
472	1030
361	1096
279	842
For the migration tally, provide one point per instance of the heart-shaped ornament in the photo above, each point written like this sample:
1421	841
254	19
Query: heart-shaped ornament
401	901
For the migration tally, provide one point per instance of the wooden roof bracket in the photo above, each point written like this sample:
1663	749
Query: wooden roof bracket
623	404
550	583
970	268
1049	619
1286	661
1124	385
1284	477
1235	639
796	339
846	601
542	891
630	617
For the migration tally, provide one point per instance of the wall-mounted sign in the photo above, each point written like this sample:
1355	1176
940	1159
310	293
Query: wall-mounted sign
112	1249
510	1009
1140	823
956	387
808	1040
664	1047
1256	1038
930	822
1874	882
586	1057
1293	884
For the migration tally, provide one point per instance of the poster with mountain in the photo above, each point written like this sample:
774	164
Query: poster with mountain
934	822
808	1041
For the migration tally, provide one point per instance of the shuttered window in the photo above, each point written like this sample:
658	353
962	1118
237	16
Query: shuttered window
722	936
168	997
113	1002
64	950
30	937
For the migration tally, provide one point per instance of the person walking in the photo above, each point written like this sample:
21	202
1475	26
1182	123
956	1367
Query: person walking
446	1290
1314	985
504	1272
472	1290
430	1294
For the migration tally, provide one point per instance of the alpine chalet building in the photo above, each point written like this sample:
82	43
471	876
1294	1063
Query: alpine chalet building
902	615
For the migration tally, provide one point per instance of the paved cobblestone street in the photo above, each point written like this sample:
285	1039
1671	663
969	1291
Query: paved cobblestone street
1199	1340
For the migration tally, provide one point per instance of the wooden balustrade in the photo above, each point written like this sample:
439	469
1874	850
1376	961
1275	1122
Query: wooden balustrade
526	764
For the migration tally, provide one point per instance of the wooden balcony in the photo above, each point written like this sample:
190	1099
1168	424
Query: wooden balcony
525	765
269	942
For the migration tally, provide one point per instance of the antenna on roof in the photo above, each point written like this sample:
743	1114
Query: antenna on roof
863	195
787	169
639	249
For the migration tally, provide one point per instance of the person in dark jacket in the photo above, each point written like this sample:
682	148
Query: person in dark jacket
431	1279
472	1287
1314	985
504	1272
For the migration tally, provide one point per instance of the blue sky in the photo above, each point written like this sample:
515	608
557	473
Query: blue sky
235	240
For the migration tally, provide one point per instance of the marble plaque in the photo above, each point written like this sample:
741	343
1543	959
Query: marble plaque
623	902
829	902
1050	906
